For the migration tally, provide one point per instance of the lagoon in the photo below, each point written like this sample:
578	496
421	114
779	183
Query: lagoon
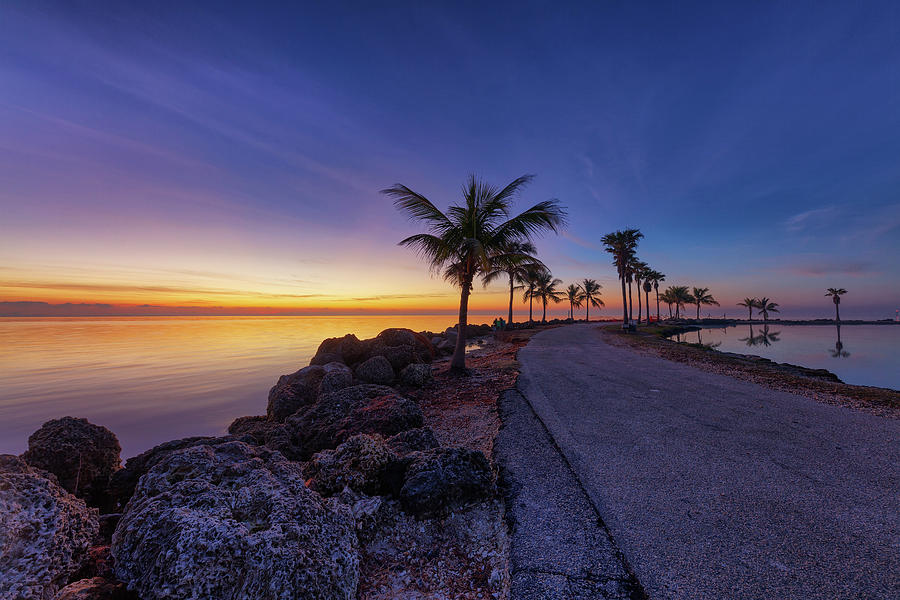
858	354
153	379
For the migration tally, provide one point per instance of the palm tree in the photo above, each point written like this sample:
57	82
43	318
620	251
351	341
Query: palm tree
765	307
749	304
655	277
702	296
680	297
463	241
836	294
575	296
591	291
640	269
547	292
513	261
529	281
647	287
622	244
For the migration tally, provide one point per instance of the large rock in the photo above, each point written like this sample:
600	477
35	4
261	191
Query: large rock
234	521
413	440
375	370
362	463
95	588
293	391
445	478
357	409
45	533
263	432
82	455
123	481
401	347
417	375
347	349
337	377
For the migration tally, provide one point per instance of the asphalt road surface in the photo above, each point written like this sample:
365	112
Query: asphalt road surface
718	488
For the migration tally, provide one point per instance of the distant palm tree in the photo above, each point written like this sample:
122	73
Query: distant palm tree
668	298
547	292
656	277
575	296
647	287
680	297
702	296
765	306
836	294
591	291
749	304
513	262
622	245
462	241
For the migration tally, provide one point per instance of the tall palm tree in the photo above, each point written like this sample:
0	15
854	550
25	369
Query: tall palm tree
640	268
836	294
680	297
702	296
591	291
765	306
749	304
655	277
546	290
622	245
575	296
669	299
463	241
513	262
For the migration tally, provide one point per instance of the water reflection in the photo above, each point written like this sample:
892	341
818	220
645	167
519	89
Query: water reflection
838	350
766	338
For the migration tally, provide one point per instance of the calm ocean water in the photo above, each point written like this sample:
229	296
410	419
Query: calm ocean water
152	379
862	355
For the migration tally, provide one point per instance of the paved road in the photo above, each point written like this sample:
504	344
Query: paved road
718	488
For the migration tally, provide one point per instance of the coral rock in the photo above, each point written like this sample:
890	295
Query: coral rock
234	521
362	463
376	370
445	478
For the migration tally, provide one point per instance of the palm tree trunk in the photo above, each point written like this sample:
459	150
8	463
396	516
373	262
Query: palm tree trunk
587	311
458	363
750	311
638	282
837	312
647	304
530	304
544	317
630	304
510	299
624	304
698	311
656	289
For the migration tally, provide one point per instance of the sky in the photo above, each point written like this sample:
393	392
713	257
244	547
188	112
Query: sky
181	157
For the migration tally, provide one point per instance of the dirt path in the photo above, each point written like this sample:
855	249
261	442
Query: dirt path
719	488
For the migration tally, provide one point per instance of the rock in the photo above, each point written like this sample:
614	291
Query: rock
445	478
417	375
123	481
234	521
82	455
95	588
263	432
337	377
45	533
293	391
362	463
436	340
413	440
401	347
347	349
357	409
376	370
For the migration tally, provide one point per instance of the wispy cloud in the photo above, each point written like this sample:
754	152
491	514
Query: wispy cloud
832	267
809	218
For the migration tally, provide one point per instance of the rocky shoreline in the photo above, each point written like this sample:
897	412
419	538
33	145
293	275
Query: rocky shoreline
818	384
369	476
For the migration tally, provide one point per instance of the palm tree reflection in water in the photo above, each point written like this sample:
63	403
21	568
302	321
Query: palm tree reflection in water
766	338
838	351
